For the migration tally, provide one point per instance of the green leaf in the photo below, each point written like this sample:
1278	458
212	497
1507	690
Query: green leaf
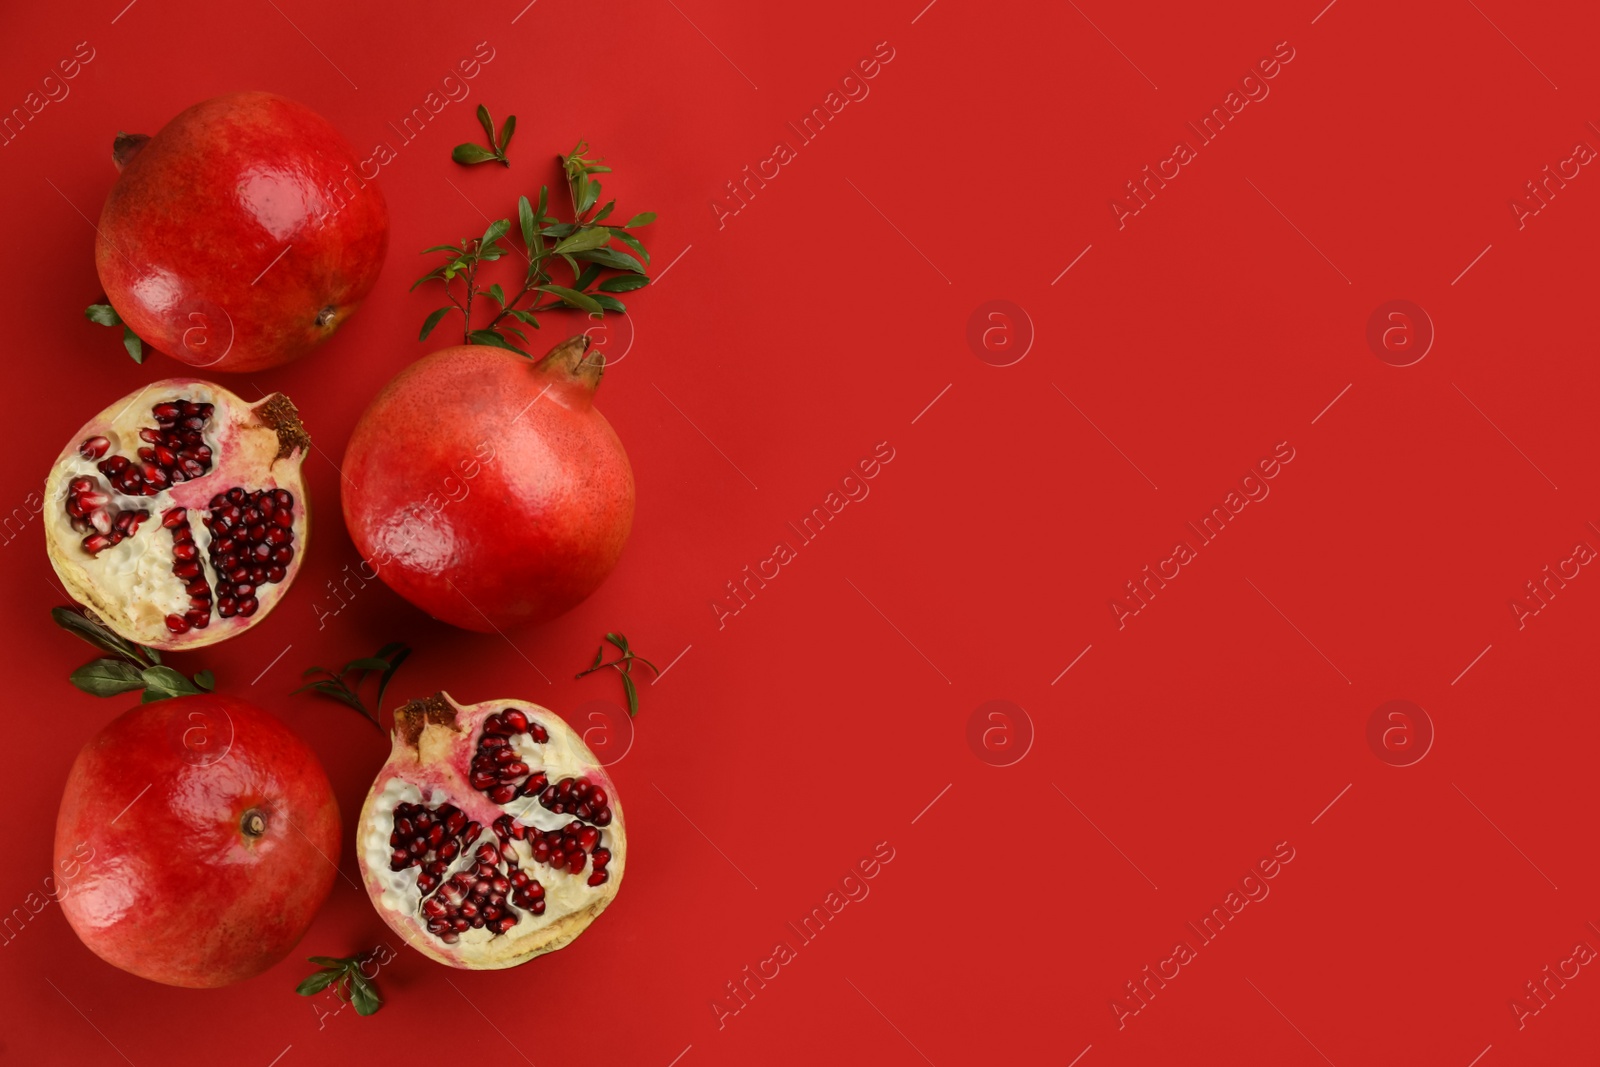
599	654
505	136
400	653
529	230
364	995
632	242
558	229
584	240
490	338
486	122
633	696
497	229
369	663
610	257
161	683
609	303
131	342
624	283
544	201
525	317
328	961
572	298
92	631
498	294
107	677
104	314
591	193
443	248
644	218
433	320
610	206
469	153
316	983
206	680
619	640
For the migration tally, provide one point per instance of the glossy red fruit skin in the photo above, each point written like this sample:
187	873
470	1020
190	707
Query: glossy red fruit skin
190	231
164	882
486	488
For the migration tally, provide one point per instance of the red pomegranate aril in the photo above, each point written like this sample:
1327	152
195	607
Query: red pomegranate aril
93	447
177	624
598	878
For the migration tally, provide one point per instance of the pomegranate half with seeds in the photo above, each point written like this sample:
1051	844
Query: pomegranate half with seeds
492	835
178	514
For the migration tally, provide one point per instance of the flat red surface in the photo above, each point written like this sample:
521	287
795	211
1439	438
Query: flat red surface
1166	756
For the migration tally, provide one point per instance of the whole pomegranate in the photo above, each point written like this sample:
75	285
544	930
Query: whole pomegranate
492	835
242	235
178	514
487	489
203	834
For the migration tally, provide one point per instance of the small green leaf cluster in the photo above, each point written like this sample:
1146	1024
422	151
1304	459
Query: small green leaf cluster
469	154
130	667
624	666
344	977
598	270
106	315
333	685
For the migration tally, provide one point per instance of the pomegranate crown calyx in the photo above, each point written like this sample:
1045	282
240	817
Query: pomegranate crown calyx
572	359
411	718
125	147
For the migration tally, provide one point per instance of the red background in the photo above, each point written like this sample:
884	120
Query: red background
826	716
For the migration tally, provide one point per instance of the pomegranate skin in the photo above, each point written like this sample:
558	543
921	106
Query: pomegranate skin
192	238
162	873
486	488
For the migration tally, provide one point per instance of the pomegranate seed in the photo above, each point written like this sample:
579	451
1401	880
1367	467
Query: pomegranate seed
599	877
515	719
177	624
503	794
175	517
93	447
96	543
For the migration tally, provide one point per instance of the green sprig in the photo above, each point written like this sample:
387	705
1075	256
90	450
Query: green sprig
344	977
469	154
106	315
624	667
584	246
131	666
384	664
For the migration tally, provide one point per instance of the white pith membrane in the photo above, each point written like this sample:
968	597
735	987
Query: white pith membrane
120	564
454	880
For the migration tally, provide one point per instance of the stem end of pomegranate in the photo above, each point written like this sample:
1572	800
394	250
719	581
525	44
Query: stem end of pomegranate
410	718
573	359
125	147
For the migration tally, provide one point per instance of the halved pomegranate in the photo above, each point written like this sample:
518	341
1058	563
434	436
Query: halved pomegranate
492	835
178	514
